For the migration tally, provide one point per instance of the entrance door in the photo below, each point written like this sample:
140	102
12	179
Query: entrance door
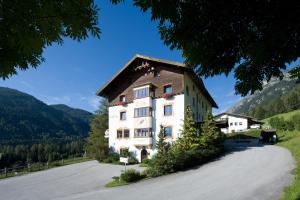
144	154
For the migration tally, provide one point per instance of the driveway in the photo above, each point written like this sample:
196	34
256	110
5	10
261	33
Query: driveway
247	173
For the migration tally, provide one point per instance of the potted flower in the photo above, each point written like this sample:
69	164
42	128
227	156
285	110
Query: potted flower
167	95
121	103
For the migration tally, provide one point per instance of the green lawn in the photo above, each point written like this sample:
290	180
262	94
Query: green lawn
255	133
286	116
291	141
116	183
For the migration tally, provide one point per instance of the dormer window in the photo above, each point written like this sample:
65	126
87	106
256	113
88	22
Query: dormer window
168	89
122	98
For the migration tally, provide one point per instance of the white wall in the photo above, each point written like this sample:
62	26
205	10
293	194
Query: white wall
202	105
234	123
158	118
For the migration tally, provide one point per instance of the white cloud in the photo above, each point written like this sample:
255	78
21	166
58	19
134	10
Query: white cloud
231	93
26	84
94	102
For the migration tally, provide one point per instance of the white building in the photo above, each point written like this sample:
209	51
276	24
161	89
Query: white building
149	92
237	122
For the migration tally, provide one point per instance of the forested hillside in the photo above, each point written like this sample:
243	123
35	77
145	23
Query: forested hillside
276	97
24	118
32	131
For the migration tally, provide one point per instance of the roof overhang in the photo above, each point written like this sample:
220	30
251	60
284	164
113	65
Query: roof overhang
102	91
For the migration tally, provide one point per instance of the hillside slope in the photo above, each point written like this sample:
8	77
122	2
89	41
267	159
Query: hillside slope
276	97
25	118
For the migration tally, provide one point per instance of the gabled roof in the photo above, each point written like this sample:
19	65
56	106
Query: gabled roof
235	115
101	91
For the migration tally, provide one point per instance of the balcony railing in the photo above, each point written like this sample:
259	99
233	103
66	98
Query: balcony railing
143	135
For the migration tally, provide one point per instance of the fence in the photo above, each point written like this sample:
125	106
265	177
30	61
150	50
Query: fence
33	167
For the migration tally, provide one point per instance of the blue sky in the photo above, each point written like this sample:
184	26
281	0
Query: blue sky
73	72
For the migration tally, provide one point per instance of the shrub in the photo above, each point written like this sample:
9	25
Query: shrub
131	175
132	160
112	158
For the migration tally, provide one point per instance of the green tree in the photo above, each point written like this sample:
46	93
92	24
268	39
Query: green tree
211	137
250	38
27	27
97	144
189	137
162	146
260	112
161	162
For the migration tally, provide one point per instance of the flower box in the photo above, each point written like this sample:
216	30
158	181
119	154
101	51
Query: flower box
167	95
121	103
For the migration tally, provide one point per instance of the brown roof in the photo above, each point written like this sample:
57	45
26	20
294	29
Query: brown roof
101	91
239	115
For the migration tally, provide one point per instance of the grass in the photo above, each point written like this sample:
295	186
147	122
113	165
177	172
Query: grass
36	167
255	133
291	141
286	116
116	183
143	165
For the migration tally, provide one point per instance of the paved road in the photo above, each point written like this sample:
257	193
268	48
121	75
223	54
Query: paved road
252	173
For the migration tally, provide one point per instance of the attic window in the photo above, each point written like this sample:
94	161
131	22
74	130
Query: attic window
156	74
122	98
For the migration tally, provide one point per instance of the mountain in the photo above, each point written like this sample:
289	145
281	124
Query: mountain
277	96
25	118
74	112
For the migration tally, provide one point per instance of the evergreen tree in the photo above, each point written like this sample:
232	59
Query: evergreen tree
161	162
211	136
189	138
97	145
162	146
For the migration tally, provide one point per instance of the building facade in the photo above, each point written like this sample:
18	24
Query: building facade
237	123
149	92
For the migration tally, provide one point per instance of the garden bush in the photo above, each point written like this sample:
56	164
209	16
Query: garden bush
112	157
191	149
131	175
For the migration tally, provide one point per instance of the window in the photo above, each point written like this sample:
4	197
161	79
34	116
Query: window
119	133
231	124
241	123
122	98
141	93
126	133
143	132
122	133
142	112
187	90
168	89
156	74
168	131
122	115
235	123
168	110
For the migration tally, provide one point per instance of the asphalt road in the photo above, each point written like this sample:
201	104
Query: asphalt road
252	173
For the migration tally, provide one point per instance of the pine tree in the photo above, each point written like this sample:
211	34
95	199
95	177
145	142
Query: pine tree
189	138
162	146
161	160
97	145
211	136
